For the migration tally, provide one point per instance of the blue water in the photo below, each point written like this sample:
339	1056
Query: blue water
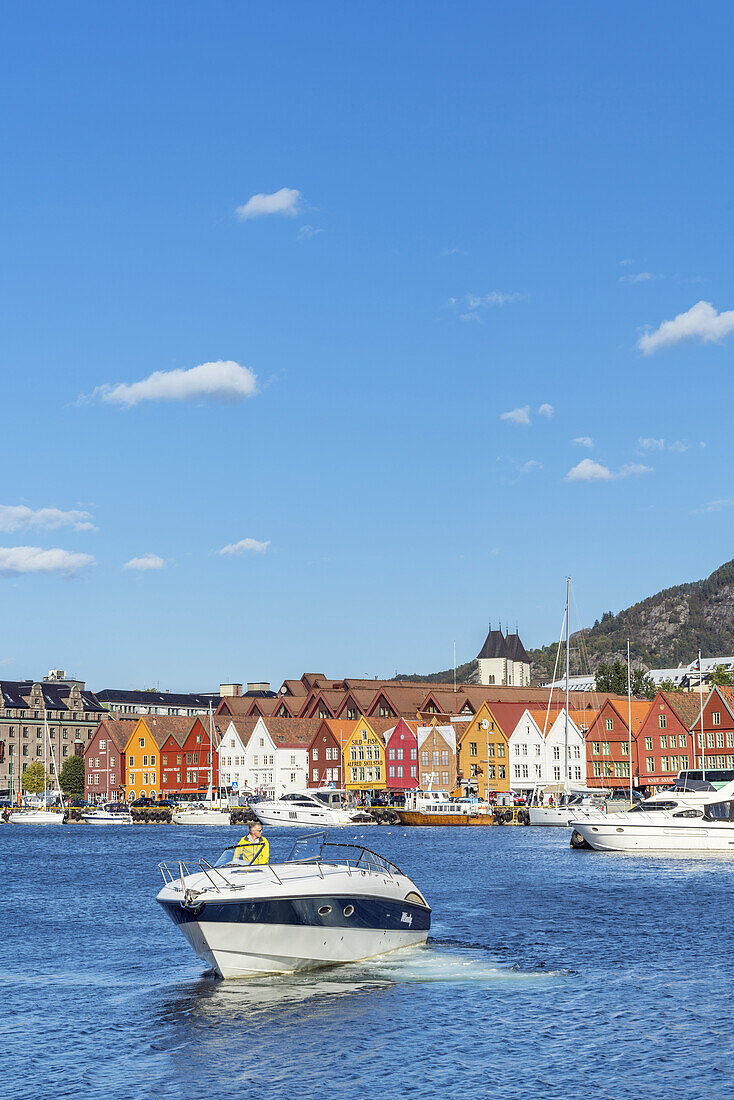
549	973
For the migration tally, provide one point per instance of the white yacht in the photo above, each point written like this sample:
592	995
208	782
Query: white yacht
318	806
341	904
38	816
108	815
676	820
202	814
565	804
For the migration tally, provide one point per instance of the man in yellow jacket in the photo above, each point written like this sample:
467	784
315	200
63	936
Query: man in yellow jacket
254	847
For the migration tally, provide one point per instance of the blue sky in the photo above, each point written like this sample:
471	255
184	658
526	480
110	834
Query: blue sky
465	210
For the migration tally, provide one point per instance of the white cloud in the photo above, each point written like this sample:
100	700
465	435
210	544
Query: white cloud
284	201
477	303
588	470
625	263
640	277
17	517
651	444
245	546
531	466
679	446
145	563
718	505
223	380
700	322
307	233
583	441
16	560
546	410
517	416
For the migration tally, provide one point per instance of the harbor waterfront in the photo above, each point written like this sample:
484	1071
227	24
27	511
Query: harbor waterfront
548	972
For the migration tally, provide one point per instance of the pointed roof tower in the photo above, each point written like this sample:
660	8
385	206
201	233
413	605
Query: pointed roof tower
495	645
516	648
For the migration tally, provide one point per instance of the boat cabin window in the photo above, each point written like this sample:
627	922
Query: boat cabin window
650	807
719	811
689	813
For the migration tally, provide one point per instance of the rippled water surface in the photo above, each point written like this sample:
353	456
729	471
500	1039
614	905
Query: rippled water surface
548	973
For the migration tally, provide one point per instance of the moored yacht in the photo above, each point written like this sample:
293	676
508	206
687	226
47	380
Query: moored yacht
108	815
678	819
556	806
341	904
318	806
203	814
38	816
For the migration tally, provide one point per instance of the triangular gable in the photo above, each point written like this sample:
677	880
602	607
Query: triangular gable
383	700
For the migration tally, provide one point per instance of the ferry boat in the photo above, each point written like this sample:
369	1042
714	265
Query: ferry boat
679	819
438	808
342	903
317	806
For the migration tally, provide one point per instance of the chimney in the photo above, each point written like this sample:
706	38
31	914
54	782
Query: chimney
230	689
263	685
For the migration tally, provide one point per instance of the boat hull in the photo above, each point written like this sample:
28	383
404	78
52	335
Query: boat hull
201	817
549	816
285	935
615	836
107	819
37	817
415	817
274	815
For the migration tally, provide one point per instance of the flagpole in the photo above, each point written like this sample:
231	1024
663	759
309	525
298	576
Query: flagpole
703	736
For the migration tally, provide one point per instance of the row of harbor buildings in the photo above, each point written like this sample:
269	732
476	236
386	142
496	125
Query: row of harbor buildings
504	743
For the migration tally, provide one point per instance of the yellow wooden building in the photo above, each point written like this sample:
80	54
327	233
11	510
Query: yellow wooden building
142	762
482	755
364	759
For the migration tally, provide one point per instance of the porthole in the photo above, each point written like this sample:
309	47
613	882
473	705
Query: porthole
324	910
348	910
620	830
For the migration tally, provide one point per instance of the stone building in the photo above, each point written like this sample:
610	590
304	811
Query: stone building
71	713
503	660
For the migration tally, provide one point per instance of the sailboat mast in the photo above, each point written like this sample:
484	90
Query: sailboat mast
565	724
211	755
702	754
629	714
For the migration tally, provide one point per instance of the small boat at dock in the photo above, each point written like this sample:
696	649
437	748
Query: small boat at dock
438	808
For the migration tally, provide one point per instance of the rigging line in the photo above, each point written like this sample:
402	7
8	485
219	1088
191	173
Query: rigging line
555	671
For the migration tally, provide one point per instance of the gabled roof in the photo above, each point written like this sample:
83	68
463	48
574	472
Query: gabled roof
162	726
294	733
494	646
117	730
244	725
516	649
686	706
341	729
727	697
446	732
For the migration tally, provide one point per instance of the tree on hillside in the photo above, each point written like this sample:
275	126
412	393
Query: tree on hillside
668	685
35	780
71	776
720	677
613	678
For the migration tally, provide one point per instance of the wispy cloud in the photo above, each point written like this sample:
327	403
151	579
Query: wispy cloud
718	505
223	380
530	466
17	560
546	410
284	201
453	252
17	517
639	277
583	441
517	416
145	563
308	232
700	322
648	445
588	470
474	306
245	546
625	263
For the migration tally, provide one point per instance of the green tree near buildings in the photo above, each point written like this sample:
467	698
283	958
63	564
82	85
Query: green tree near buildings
35	780
613	678
720	677
71	776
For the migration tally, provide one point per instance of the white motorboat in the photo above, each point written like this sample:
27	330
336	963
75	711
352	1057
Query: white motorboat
318	806
108	816
202	815
342	904
44	815
678	819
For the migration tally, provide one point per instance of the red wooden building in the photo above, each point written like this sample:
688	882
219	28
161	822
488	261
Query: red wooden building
185	759
717	743
104	760
608	759
326	752
665	740
401	756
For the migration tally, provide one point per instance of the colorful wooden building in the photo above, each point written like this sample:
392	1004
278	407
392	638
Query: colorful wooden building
104	760
326	752
608	761
364	759
436	755
665	739
482	755
401	756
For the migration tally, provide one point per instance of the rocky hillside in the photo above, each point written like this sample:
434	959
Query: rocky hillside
665	630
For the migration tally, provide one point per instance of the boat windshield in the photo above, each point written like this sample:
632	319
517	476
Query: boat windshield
649	807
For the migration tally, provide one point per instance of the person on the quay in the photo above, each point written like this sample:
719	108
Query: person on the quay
254	847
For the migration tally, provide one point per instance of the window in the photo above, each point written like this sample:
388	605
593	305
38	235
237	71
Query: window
445	778
719	739
624	748
444	758
391	771
610	724
500	751
597	767
596	748
490	749
729	739
102	744
316	754
525	771
141	742
682	742
413	771
400	771
491	771
663	742
164	757
414	754
556	773
622	769
424	760
391	754
605	750
716	718
145	764
500	771
179	758
400	755
472	748
662	721
664	764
